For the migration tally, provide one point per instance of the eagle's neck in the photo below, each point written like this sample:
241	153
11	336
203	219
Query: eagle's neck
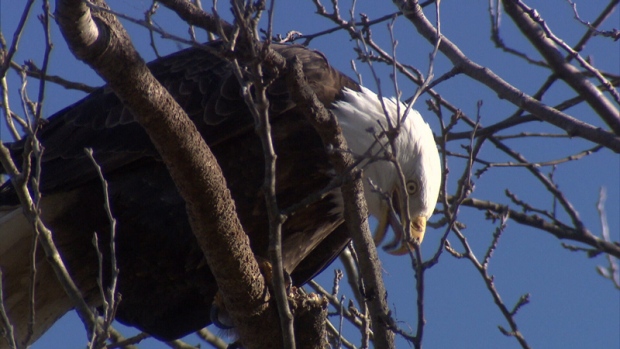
360	115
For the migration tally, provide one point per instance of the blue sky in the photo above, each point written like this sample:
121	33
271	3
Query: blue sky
571	306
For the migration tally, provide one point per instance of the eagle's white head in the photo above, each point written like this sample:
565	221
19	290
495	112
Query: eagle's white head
363	120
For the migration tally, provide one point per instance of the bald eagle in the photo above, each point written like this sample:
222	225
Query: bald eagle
167	288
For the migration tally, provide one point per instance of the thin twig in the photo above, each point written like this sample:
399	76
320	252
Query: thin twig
7	327
212	339
335	302
490	284
611	272
258	105
336	333
108	295
16	38
536	30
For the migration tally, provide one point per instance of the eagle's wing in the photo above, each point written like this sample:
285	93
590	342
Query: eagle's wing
201	84
166	286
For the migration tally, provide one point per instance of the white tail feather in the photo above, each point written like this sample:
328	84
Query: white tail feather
16	237
13	227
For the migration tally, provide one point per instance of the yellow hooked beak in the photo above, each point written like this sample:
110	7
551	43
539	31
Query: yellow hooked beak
398	245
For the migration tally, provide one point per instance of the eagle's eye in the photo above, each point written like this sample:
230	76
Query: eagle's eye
412	187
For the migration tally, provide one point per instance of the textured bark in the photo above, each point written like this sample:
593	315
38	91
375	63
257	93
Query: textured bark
310	316
100	41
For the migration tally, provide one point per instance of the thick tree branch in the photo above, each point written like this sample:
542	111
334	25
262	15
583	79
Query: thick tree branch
100	40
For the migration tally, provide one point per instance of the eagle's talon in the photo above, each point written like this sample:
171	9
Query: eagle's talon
396	241
266	268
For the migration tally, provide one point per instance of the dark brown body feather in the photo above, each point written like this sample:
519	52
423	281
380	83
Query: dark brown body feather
166	286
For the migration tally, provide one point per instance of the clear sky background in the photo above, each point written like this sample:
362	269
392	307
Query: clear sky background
571	305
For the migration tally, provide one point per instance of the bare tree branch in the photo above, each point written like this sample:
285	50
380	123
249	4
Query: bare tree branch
541	37
212	339
615	34
356	219
461	141
7	328
31	69
572	126
258	104
561	232
612	272
101	39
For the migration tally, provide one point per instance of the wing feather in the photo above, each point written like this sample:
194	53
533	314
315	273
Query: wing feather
166	285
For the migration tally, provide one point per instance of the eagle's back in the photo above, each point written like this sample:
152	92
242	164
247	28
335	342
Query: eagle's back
166	286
